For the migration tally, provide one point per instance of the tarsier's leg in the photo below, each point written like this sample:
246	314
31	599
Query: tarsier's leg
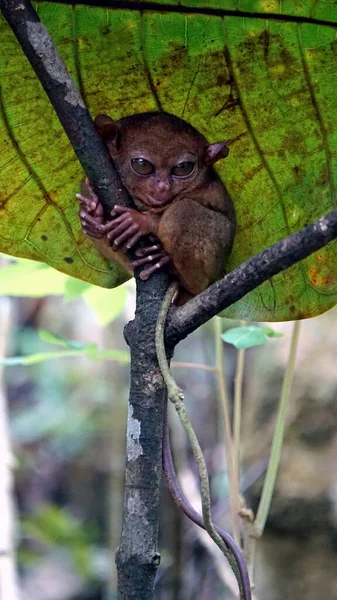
122	232
199	240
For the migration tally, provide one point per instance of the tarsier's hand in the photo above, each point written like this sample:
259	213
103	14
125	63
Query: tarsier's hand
127	227
91	213
122	232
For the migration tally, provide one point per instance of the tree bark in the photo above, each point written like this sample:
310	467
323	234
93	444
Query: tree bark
137	558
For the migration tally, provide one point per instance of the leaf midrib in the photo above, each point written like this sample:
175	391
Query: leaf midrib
198	10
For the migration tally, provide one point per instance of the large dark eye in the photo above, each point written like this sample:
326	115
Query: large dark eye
183	169
141	166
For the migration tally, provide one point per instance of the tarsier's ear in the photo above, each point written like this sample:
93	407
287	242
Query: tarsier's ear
109	131
215	152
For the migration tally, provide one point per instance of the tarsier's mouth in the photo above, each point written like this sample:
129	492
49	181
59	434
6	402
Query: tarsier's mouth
157	202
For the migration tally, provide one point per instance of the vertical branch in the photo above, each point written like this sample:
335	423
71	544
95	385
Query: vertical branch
38	47
137	558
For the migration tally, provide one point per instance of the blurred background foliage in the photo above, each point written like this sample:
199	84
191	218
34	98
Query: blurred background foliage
67	409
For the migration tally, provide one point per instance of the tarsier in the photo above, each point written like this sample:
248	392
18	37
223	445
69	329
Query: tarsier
166	166
184	210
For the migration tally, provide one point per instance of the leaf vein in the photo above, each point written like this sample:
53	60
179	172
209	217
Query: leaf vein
318	114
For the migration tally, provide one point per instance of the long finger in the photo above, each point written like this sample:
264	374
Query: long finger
131	242
113	232
145	274
126	235
88	184
84	216
146	259
117	210
89	203
92	233
148	250
117	220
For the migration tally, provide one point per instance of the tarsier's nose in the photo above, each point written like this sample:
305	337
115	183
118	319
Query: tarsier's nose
163	186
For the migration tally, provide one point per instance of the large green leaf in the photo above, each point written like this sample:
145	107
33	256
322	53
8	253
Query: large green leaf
268	85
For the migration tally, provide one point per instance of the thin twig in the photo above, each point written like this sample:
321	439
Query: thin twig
238	382
193	366
224	403
275	454
176	396
276	448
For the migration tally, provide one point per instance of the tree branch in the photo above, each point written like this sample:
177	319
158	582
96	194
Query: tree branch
137	558
67	102
248	276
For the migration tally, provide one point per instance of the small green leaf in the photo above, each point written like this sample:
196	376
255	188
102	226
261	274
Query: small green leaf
89	349
106	304
271	333
74	288
38	357
117	355
52	338
71	348
247	337
52	526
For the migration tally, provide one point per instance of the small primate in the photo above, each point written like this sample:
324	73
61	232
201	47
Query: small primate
166	166
185	210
